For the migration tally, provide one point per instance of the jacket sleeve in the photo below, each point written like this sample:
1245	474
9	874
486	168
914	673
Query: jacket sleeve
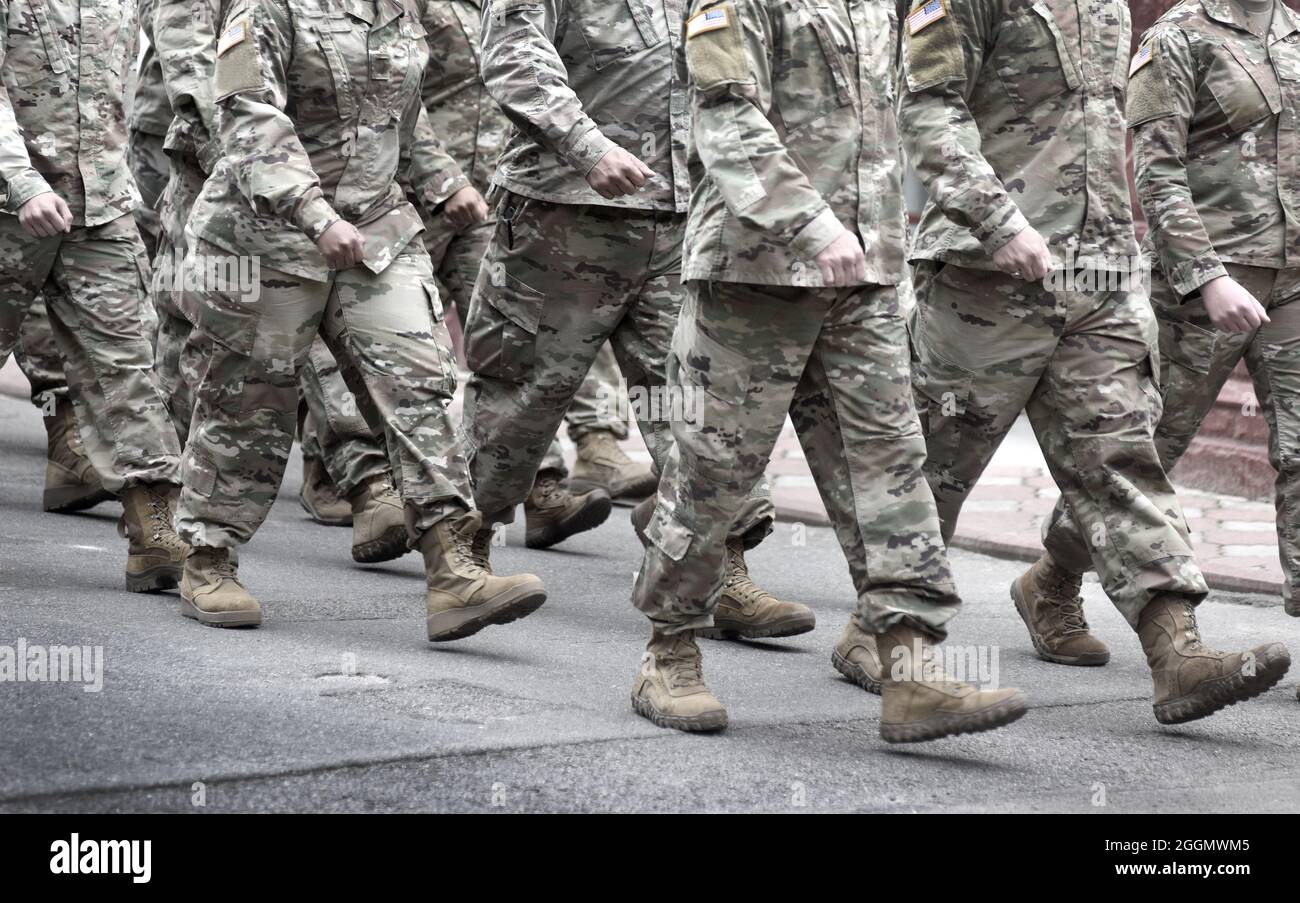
184	37
942	62
1161	104
731	92
427	173
258	139
21	182
526	77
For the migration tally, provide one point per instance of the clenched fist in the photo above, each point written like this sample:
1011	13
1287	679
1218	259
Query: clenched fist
842	262
1025	256
1231	307
342	245
45	215
466	208
617	174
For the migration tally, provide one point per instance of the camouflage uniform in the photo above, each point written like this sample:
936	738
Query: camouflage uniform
760	336
567	269
150	117
1011	113
63	129
1215	114
321	120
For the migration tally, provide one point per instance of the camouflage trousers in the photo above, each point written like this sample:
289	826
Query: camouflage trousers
94	282
557	282
456	259
1082	365
149	168
40	359
394	352
1197	361
331	426
837	362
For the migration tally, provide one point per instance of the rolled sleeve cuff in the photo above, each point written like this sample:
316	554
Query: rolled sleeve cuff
1188	276
24	187
817	235
316	216
435	192
1001	226
584	148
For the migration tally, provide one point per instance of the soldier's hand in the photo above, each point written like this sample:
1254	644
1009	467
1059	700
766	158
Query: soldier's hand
842	262
1025	257
466	208
617	174
342	245
1231	307
45	215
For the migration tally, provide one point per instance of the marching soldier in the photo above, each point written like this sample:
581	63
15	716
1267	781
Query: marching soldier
1011	113
324	139
66	234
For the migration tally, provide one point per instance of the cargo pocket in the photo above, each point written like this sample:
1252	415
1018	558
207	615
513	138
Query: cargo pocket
1188	355
446	383
716	380
501	335
942	392
669	535
220	310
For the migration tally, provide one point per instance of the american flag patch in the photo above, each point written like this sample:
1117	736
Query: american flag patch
233	35
926	14
1140	59
709	20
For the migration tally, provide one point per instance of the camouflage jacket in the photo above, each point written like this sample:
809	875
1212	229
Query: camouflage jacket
577	77
794	138
321	120
62	123
185	36
464	116
150	111
1215	113
1012	113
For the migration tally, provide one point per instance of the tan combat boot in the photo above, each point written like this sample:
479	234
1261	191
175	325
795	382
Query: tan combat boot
155	554
669	688
746	611
1049	603
602	464
920	702
320	496
71	483
552	513
211	592
1191	680
378	523
464	596
857	658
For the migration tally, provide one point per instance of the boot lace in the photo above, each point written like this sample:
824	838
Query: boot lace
1062	594
682	662
159	515
738	581
221	566
547	489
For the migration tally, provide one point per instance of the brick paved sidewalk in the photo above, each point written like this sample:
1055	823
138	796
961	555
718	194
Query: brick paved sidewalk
1235	538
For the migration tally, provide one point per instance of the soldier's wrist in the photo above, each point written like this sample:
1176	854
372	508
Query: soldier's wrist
24	187
820	233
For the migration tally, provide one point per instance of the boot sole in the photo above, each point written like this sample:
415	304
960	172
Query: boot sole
459	623
791	626
1088	659
154	579
588	518
1221	692
855	673
321	519
712	721
392	544
73	498
220	618
950	724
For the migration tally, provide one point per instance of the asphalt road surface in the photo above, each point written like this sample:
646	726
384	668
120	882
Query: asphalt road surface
339	704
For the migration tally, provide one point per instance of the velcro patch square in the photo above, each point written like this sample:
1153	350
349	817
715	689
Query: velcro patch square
234	35
925	15
709	20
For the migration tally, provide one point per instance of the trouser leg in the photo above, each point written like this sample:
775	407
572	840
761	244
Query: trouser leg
174	367
39	358
595	406
149	167
351	452
1095	412
1195	362
393	349
857	421
739	351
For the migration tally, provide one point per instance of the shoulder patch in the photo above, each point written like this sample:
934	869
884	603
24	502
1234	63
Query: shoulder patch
1141	58
925	15
715	48
1149	96
239	64
932	52
234	34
